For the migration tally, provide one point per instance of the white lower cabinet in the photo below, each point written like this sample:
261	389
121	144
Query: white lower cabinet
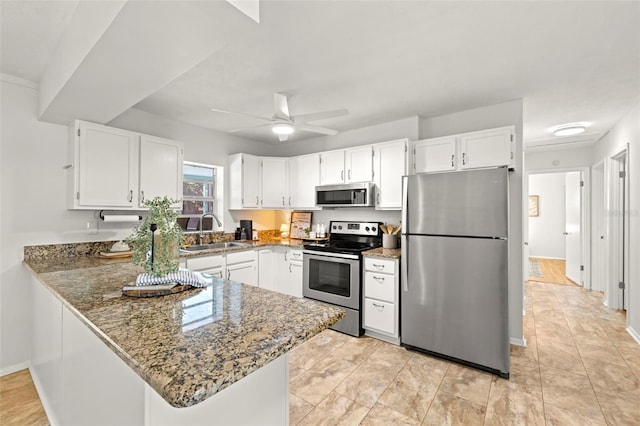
239	266
381	299
294	268
280	270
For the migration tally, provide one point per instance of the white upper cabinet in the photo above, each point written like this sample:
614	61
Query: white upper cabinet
118	169
390	164
160	169
332	167
434	155
346	165
105	167
244	181
304	176
487	148
359	164
275	192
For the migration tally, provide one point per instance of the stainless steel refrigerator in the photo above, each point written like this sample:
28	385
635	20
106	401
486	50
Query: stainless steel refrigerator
454	291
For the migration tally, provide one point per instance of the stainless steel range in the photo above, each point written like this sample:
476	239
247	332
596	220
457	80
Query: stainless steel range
332	269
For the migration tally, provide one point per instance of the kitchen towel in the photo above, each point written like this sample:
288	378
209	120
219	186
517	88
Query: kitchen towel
121	218
183	276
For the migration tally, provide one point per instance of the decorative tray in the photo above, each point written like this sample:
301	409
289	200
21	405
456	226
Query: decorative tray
154	290
116	254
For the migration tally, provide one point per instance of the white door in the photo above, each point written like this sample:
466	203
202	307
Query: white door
332	167
250	181
434	155
160	169
600	254
295	279
266	269
573	228
274	182
486	148
304	176
389	166
359	164
243	273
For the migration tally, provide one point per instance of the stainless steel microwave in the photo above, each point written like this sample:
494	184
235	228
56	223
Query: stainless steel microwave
346	195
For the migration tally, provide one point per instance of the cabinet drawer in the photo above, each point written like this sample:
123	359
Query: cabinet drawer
376	264
380	316
241	256
295	255
379	286
205	262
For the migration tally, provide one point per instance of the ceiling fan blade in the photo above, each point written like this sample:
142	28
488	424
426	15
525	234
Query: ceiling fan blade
249	128
281	106
315	116
283	138
315	129
240	113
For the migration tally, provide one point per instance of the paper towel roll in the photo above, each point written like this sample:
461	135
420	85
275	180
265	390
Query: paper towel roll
121	218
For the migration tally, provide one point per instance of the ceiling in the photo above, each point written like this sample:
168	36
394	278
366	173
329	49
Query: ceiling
569	61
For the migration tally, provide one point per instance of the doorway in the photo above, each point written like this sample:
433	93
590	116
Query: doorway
557	232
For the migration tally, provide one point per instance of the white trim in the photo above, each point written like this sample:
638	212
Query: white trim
518	342
634	334
15	367
547	257
18	81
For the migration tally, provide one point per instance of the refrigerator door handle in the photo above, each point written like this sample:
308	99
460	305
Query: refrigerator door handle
404	260
405	182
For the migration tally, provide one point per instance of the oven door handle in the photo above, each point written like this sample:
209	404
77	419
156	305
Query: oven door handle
330	255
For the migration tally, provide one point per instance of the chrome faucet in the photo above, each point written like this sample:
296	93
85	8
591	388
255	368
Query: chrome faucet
201	235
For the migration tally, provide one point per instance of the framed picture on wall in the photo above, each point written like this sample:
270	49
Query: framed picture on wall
299	222
534	206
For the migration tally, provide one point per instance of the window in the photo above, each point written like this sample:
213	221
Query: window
201	193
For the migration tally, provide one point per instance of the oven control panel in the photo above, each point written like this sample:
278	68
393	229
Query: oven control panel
355	228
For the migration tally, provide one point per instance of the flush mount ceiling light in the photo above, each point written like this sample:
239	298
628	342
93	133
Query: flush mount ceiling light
282	128
569	129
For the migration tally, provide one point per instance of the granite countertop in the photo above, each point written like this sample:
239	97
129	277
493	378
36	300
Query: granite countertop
187	346
383	253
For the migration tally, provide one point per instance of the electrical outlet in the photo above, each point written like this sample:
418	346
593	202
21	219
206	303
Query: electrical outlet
92	227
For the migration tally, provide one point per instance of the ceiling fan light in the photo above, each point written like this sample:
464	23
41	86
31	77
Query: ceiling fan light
569	129
282	129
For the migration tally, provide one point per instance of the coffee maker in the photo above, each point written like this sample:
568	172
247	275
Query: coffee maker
244	232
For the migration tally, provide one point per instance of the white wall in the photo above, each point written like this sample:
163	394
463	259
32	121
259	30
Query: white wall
627	131
559	158
546	237
505	114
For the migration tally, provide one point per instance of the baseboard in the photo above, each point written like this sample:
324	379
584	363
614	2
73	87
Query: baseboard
13	368
547	257
634	334
518	341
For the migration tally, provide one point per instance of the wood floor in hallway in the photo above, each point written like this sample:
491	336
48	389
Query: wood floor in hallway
553	271
580	367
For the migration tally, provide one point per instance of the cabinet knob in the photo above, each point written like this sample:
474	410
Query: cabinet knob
341	174
379	279
283	200
377	265
142	196
380	307
349	174
257	200
453	157
130	195
464	158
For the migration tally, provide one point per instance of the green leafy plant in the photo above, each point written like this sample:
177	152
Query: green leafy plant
158	255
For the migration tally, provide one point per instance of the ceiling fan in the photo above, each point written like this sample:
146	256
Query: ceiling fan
283	124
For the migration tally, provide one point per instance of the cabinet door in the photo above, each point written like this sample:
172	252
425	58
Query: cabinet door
434	155
243	272
266	269
380	316
304	176
250	181
295	279
486	148
160	169
332	167
390	161
274	182
359	164
107	167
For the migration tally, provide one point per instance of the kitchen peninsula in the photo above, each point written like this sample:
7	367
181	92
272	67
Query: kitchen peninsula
215	355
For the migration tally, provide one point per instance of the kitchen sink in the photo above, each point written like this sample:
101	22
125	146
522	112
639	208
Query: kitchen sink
213	246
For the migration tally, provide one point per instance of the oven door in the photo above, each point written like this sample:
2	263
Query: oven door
332	278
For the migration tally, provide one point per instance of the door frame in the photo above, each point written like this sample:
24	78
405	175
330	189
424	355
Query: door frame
585	216
600	258
616	256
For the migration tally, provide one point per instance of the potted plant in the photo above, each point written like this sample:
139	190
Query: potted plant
156	242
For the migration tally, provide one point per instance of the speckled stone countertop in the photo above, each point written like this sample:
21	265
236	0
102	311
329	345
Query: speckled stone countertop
383	252
187	346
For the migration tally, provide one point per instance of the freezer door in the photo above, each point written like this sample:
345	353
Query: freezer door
467	203
454	298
